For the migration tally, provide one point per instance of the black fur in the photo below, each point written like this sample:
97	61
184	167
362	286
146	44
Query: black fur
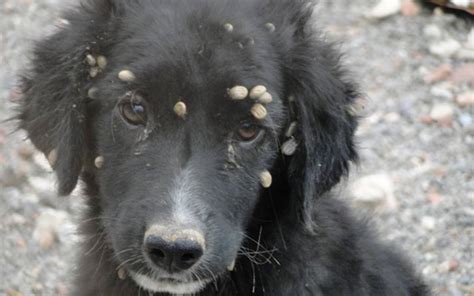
298	239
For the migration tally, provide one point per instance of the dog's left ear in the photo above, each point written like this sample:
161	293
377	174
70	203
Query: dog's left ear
320	99
53	110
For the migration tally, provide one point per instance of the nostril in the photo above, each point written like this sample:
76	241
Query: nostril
188	258
157	253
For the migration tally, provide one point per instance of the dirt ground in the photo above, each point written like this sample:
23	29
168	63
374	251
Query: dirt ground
415	177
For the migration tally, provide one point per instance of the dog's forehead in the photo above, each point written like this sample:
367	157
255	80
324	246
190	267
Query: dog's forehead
199	67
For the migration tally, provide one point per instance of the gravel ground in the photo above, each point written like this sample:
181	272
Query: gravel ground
415	178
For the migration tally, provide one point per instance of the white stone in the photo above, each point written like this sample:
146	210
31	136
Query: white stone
375	192
445	48
442	112
432	31
49	226
384	8
428	222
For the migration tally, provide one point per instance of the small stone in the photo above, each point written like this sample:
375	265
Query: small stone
99	162
432	31
93	72
180	109
465	119
289	147
266	98
257	92
238	92
439	74
442	113
12	292
270	27
384	8
266	179
291	129
464	73
445	48
92	92
409	8
53	157
48	227
259	111
91	60
453	265
428	222
121	274
102	62
375	192
465	99
126	76
441	91
229	28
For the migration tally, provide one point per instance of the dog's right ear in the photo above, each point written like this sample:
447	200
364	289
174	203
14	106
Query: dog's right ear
54	92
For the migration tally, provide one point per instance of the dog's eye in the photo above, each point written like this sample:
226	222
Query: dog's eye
133	111
248	131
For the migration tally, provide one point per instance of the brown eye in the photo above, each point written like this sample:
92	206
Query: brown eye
133	111
248	131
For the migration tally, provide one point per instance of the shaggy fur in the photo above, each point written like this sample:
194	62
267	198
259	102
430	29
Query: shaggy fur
290	239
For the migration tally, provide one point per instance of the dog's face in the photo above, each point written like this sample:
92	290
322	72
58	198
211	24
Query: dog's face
186	113
196	169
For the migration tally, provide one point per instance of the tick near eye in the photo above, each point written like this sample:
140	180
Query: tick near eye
133	110
248	131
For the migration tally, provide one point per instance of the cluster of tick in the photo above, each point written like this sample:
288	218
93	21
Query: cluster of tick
259	93
261	97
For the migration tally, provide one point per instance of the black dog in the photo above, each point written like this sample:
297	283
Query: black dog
177	115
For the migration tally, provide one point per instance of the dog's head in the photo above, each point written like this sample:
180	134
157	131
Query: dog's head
180	116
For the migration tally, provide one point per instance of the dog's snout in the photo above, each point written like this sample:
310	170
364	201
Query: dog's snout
173	250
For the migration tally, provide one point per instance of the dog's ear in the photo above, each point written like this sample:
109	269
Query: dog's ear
54	90
320	100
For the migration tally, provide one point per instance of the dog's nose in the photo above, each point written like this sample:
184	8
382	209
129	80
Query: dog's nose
173	250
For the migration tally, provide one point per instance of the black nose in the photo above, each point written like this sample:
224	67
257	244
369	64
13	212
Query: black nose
173	253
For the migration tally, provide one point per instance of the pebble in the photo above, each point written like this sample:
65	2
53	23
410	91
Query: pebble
442	113
48	227
432	31
374	192
409	8
12	292
442	72
464	73
445	48
465	119
441	92
428	222
465	99
384	8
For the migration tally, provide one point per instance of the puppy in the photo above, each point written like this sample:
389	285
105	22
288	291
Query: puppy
208	135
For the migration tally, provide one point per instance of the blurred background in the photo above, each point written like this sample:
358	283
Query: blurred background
415	179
